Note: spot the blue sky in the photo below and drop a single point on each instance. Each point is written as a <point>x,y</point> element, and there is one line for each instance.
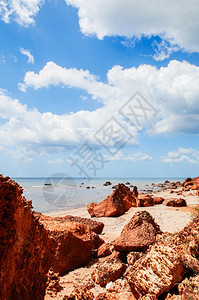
<point>68,67</point>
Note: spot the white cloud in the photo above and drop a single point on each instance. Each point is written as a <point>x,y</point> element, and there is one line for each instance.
<point>163,50</point>
<point>46,133</point>
<point>173,90</point>
<point>28,54</point>
<point>176,21</point>
<point>21,11</point>
<point>55,161</point>
<point>189,155</point>
<point>136,156</point>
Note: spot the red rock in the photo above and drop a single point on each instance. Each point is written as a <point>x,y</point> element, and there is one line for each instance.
<point>138,234</point>
<point>121,289</point>
<point>157,272</point>
<point>187,180</point>
<point>25,250</point>
<point>80,294</point>
<point>144,200</point>
<point>95,226</point>
<point>115,204</point>
<point>175,202</point>
<point>105,250</point>
<point>157,200</point>
<point>133,256</point>
<point>189,288</point>
<point>191,184</point>
<point>197,193</point>
<point>107,271</point>
<point>73,243</point>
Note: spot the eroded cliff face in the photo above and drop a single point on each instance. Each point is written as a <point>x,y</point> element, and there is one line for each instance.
<point>25,248</point>
<point>31,244</point>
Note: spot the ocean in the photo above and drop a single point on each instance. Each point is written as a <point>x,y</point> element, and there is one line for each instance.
<point>64,193</point>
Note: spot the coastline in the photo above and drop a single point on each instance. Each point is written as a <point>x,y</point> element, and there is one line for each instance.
<point>170,219</point>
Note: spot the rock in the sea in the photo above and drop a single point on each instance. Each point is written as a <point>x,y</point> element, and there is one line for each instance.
<point>138,234</point>
<point>73,243</point>
<point>26,251</point>
<point>175,202</point>
<point>107,183</point>
<point>107,271</point>
<point>115,204</point>
<point>158,200</point>
<point>145,200</point>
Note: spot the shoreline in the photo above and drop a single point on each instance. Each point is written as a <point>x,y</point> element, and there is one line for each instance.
<point>170,219</point>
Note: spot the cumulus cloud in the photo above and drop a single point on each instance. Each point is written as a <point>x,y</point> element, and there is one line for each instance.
<point>172,90</point>
<point>21,11</point>
<point>136,156</point>
<point>175,21</point>
<point>189,155</point>
<point>46,133</point>
<point>28,54</point>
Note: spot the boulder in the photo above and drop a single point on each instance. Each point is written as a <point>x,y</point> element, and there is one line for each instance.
<point>105,250</point>
<point>144,200</point>
<point>189,288</point>
<point>158,200</point>
<point>191,184</point>
<point>26,251</point>
<point>73,242</point>
<point>95,226</point>
<point>175,202</point>
<point>107,271</point>
<point>115,204</point>
<point>156,273</point>
<point>138,234</point>
<point>107,183</point>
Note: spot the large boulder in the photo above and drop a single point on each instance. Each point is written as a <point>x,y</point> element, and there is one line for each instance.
<point>115,204</point>
<point>175,202</point>
<point>158,200</point>
<point>73,243</point>
<point>156,273</point>
<point>138,234</point>
<point>192,184</point>
<point>26,251</point>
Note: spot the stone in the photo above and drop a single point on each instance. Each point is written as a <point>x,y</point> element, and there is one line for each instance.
<point>158,200</point>
<point>145,200</point>
<point>26,251</point>
<point>138,234</point>
<point>155,273</point>
<point>105,250</point>
<point>189,288</point>
<point>107,271</point>
<point>115,204</point>
<point>73,243</point>
<point>107,183</point>
<point>95,226</point>
<point>175,202</point>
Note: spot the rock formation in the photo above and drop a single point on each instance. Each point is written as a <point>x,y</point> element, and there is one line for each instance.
<point>115,204</point>
<point>175,202</point>
<point>138,234</point>
<point>26,251</point>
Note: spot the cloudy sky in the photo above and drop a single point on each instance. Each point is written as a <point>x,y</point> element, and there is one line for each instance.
<point>99,88</point>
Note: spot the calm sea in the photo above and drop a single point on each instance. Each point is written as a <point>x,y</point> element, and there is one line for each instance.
<point>62,193</point>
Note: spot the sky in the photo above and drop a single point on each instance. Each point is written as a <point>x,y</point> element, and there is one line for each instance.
<point>99,88</point>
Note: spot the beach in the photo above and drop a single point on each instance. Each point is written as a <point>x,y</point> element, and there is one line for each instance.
<point>170,219</point>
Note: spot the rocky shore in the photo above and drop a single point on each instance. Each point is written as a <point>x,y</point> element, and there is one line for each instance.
<point>135,246</point>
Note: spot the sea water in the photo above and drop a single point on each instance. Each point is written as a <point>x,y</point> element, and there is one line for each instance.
<point>63,193</point>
